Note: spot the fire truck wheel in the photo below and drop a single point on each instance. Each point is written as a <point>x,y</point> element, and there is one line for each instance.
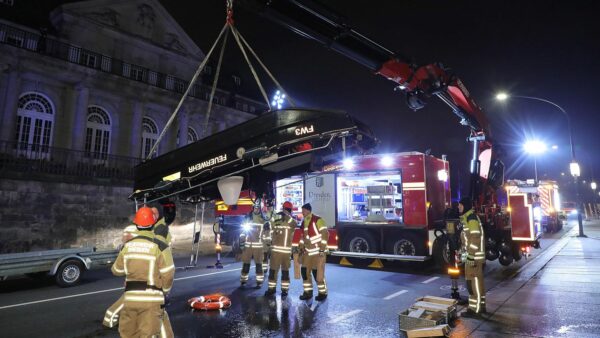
<point>506,260</point>
<point>491,254</point>
<point>441,251</point>
<point>360,241</point>
<point>405,246</point>
<point>516,253</point>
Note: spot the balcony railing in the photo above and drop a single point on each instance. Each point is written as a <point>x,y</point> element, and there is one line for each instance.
<point>26,159</point>
<point>54,48</point>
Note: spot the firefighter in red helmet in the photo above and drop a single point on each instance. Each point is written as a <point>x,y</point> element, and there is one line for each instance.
<point>313,246</point>
<point>147,264</point>
<point>282,232</point>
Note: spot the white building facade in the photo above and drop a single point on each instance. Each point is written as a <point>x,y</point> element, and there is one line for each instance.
<point>104,82</point>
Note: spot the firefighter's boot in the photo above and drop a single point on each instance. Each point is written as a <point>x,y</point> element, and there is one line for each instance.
<point>272,283</point>
<point>322,287</point>
<point>307,284</point>
<point>285,282</point>
<point>260,277</point>
<point>244,276</point>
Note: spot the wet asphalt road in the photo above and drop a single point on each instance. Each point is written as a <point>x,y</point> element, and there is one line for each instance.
<point>362,302</point>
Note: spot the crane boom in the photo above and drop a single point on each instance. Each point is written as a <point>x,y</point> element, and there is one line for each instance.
<point>419,82</point>
<point>314,21</point>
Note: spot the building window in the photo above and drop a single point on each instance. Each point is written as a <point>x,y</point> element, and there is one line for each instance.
<point>97,137</point>
<point>137,73</point>
<point>252,109</point>
<point>7,2</point>
<point>74,53</point>
<point>88,59</point>
<point>207,70</point>
<point>237,80</point>
<point>149,136</point>
<point>192,136</point>
<point>35,119</point>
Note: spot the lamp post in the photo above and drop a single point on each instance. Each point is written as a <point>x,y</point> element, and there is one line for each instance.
<point>573,166</point>
<point>535,148</point>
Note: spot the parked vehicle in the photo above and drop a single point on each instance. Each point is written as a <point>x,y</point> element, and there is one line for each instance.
<point>66,266</point>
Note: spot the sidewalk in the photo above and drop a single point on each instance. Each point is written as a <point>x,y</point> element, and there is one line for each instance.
<point>555,295</point>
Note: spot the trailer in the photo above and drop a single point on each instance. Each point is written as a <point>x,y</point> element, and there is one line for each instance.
<point>66,266</point>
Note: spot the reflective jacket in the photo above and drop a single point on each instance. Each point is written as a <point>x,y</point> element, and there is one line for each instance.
<point>282,232</point>
<point>160,230</point>
<point>473,237</point>
<point>315,235</point>
<point>147,264</point>
<point>253,237</point>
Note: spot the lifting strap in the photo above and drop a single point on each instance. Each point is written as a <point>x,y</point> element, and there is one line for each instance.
<point>241,42</point>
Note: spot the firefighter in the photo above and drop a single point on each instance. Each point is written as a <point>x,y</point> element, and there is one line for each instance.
<point>282,233</point>
<point>111,316</point>
<point>252,246</point>
<point>147,264</point>
<point>473,245</point>
<point>313,247</point>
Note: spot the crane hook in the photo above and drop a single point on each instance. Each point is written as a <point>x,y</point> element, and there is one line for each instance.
<point>229,11</point>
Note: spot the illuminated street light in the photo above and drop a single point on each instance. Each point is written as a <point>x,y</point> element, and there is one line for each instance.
<point>535,147</point>
<point>501,96</point>
<point>278,99</point>
<point>574,166</point>
<point>554,147</point>
<point>593,185</point>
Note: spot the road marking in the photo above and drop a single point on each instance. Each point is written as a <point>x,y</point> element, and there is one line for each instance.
<point>344,316</point>
<point>102,291</point>
<point>430,280</point>
<point>393,295</point>
<point>207,274</point>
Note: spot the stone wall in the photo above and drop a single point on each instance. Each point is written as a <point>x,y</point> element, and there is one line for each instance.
<point>39,215</point>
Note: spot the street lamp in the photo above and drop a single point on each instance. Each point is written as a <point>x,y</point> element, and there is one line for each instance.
<point>574,166</point>
<point>534,148</point>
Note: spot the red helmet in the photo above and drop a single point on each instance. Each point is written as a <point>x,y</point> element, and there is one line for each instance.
<point>288,205</point>
<point>144,217</point>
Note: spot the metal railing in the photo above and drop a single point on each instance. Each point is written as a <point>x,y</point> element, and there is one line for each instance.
<point>25,158</point>
<point>42,44</point>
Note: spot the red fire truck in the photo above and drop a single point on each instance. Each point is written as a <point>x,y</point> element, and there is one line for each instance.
<point>546,197</point>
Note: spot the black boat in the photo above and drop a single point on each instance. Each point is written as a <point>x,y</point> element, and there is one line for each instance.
<point>274,145</point>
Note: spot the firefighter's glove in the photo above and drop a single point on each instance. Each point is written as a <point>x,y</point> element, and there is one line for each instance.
<point>470,262</point>
<point>463,257</point>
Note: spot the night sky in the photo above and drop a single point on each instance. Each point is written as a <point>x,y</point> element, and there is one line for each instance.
<point>548,49</point>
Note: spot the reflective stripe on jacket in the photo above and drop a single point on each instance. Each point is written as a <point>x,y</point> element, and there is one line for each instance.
<point>473,237</point>
<point>315,235</point>
<point>146,259</point>
<point>282,232</point>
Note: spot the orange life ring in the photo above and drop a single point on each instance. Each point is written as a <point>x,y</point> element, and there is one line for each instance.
<point>210,302</point>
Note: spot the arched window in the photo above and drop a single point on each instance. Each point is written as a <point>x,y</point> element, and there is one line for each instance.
<point>35,119</point>
<point>97,137</point>
<point>192,135</point>
<point>149,136</point>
